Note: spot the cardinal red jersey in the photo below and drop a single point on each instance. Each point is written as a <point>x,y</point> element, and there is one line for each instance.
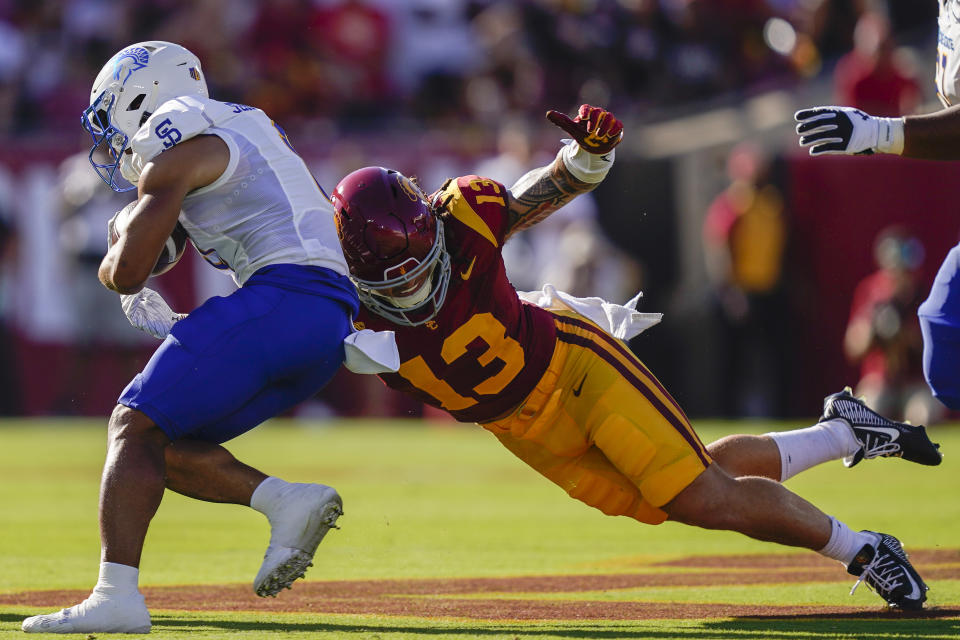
<point>483,353</point>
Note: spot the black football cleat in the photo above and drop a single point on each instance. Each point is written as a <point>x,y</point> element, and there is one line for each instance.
<point>885,568</point>
<point>878,436</point>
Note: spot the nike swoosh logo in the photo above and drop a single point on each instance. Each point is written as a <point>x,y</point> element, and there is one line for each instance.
<point>892,433</point>
<point>915,588</point>
<point>605,157</point>
<point>579,388</point>
<point>466,274</point>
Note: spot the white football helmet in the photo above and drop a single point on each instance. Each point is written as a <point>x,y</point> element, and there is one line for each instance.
<point>128,89</point>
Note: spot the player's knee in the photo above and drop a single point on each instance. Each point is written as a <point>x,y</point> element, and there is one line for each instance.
<point>706,502</point>
<point>129,424</point>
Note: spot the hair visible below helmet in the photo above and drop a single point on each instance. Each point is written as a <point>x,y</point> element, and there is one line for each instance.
<point>128,89</point>
<point>394,245</point>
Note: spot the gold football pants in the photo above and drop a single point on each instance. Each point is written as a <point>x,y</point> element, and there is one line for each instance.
<point>602,427</point>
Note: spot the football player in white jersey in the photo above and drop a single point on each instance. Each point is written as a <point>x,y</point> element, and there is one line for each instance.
<point>934,136</point>
<point>228,175</point>
<point>948,57</point>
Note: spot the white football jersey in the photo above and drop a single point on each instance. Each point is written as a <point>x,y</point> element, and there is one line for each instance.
<point>265,209</point>
<point>948,53</point>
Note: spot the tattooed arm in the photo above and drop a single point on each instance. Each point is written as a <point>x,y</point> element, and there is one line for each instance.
<point>541,192</point>
<point>579,167</point>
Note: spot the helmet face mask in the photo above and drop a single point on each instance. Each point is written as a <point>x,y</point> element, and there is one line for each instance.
<point>128,89</point>
<point>394,245</point>
<point>107,139</point>
<point>397,300</point>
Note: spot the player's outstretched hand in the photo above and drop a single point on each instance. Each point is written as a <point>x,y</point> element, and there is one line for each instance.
<point>596,130</point>
<point>149,312</point>
<point>849,131</point>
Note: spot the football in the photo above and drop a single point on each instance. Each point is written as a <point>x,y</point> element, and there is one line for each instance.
<point>172,250</point>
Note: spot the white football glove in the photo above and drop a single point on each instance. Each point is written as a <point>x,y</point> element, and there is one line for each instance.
<point>844,130</point>
<point>149,312</point>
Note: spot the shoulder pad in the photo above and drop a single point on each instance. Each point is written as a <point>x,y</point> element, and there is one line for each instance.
<point>173,122</point>
<point>479,203</point>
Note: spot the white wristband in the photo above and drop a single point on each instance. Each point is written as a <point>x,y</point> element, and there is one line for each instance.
<point>891,135</point>
<point>585,166</point>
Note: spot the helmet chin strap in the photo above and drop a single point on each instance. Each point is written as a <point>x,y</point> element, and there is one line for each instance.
<point>127,168</point>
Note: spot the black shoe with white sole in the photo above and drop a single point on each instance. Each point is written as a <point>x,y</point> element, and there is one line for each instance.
<point>878,436</point>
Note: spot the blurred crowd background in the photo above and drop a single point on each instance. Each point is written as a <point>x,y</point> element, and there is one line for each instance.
<point>782,278</point>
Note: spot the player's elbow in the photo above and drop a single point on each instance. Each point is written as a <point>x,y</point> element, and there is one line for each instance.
<point>122,280</point>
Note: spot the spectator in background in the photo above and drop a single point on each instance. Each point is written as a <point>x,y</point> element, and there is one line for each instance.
<point>434,52</point>
<point>357,62</point>
<point>873,77</point>
<point>353,38</point>
<point>509,78</point>
<point>882,335</point>
<point>744,236</point>
<point>695,69</point>
<point>831,23</point>
<point>12,55</point>
<point>286,81</point>
<point>640,58</point>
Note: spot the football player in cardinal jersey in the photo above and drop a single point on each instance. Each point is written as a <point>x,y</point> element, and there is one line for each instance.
<point>935,136</point>
<point>551,378</point>
<point>228,174</point>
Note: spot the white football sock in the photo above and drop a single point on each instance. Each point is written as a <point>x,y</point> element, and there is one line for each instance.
<point>266,497</point>
<point>844,543</point>
<point>804,448</point>
<point>117,579</point>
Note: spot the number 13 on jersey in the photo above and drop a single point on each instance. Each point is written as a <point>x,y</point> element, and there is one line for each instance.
<point>482,184</point>
<point>499,346</point>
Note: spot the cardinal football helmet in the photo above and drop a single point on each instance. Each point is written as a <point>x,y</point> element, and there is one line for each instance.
<point>393,242</point>
<point>128,89</point>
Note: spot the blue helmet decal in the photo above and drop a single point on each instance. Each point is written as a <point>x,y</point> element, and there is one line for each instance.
<point>138,57</point>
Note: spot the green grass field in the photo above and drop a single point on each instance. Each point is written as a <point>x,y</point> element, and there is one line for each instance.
<point>440,501</point>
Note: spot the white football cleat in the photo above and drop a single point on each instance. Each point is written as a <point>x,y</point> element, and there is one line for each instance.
<point>99,613</point>
<point>300,521</point>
